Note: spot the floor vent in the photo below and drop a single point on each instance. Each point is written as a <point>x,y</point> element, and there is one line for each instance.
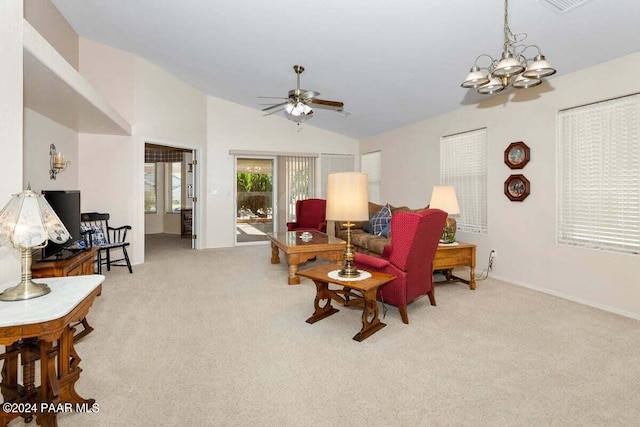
<point>562,6</point>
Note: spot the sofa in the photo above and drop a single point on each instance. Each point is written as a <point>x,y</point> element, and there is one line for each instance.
<point>363,238</point>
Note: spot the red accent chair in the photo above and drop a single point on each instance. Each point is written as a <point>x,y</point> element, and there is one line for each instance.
<point>409,257</point>
<point>310,215</point>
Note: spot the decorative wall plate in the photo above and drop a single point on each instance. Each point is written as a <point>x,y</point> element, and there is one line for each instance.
<point>517,155</point>
<point>516,188</point>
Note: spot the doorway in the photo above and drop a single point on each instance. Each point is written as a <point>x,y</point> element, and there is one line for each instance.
<point>255,199</point>
<point>169,194</point>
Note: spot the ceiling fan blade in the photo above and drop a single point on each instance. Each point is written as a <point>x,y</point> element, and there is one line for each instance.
<point>275,110</point>
<point>329,105</point>
<point>272,97</point>
<point>308,94</point>
<point>282,104</point>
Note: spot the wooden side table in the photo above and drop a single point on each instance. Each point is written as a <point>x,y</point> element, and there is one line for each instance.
<point>40,329</point>
<point>366,287</point>
<point>460,255</point>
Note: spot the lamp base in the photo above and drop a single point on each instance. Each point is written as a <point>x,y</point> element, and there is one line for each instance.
<point>449,231</point>
<point>25,290</point>
<point>348,270</point>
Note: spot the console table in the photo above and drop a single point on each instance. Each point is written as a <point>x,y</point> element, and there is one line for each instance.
<point>40,330</point>
<point>76,265</point>
<point>460,255</point>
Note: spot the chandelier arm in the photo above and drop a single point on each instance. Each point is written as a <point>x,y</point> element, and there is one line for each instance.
<point>491,64</point>
<point>525,47</point>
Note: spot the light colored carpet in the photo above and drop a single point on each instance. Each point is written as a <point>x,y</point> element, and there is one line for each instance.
<point>217,338</point>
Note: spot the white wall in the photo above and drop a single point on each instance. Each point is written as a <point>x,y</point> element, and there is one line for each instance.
<point>169,112</point>
<point>10,122</point>
<point>39,133</point>
<point>523,233</point>
<point>234,127</point>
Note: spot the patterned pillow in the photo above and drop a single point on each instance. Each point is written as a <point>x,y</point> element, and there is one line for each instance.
<point>380,220</point>
<point>386,230</point>
<point>97,238</point>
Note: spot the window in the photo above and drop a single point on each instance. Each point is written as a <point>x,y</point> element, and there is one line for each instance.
<point>174,186</point>
<point>150,196</point>
<point>333,163</point>
<point>370,164</point>
<point>299,174</point>
<point>463,164</point>
<point>598,199</point>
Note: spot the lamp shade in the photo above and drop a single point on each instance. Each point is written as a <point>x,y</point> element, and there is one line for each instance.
<point>444,198</point>
<point>28,221</point>
<point>347,197</point>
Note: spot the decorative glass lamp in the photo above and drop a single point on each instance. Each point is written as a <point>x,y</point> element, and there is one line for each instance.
<point>348,200</point>
<point>444,198</point>
<point>28,221</point>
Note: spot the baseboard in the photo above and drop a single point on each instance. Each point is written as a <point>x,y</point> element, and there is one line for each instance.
<point>569,297</point>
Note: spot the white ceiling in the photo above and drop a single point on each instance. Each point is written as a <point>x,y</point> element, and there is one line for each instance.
<point>392,63</point>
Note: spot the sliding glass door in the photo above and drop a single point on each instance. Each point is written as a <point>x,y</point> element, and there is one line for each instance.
<point>255,198</point>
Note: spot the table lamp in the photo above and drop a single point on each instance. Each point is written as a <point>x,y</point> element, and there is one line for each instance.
<point>444,198</point>
<point>28,221</point>
<point>348,200</point>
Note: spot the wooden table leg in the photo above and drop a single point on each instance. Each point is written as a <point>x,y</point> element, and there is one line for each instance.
<point>275,257</point>
<point>57,384</point>
<point>370,320</point>
<point>293,260</point>
<point>322,303</point>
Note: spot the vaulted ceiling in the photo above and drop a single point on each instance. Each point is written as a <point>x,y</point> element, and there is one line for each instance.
<point>392,63</point>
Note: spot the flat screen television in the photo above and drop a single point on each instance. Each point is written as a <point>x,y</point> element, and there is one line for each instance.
<point>66,204</point>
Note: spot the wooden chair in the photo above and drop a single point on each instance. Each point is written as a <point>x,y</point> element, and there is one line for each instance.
<point>95,227</point>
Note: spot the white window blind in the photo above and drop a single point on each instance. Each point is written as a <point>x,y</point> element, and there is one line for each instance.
<point>299,181</point>
<point>332,163</point>
<point>370,164</point>
<point>598,199</point>
<point>463,164</point>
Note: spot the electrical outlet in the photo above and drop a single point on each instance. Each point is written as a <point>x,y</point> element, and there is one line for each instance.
<point>492,255</point>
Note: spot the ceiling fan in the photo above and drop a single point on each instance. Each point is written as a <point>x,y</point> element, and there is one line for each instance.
<point>298,103</point>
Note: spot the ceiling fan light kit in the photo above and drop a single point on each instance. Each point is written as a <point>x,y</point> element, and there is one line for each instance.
<point>298,103</point>
<point>513,68</point>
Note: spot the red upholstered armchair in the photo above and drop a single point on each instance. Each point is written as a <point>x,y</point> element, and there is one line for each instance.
<point>409,257</point>
<point>310,215</point>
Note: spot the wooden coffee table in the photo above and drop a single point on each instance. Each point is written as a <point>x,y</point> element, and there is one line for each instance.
<point>299,251</point>
<point>367,288</point>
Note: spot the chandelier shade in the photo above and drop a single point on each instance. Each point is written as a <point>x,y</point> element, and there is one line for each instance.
<point>493,86</point>
<point>508,66</point>
<point>539,68</point>
<point>513,68</point>
<point>475,78</point>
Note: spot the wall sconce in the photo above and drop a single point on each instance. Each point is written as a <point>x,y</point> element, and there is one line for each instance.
<point>57,163</point>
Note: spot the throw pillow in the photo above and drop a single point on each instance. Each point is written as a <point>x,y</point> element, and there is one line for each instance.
<point>97,238</point>
<point>385,231</point>
<point>380,220</point>
<point>367,228</point>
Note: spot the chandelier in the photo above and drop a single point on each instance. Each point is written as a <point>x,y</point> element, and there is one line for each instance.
<point>513,68</point>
